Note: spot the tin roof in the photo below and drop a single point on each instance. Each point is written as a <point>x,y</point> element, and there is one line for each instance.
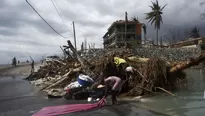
<point>122,22</point>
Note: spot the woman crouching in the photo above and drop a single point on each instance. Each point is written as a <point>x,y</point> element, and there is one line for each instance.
<point>113,84</point>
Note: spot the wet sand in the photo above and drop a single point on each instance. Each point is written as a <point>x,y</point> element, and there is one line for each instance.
<point>19,98</point>
<point>19,70</point>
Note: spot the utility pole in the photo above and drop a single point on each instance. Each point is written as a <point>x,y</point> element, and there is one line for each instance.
<point>74,35</point>
<point>85,42</point>
<point>126,21</point>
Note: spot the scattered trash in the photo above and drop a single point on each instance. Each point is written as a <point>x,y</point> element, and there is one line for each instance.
<point>73,76</point>
<point>85,80</point>
<point>89,99</point>
<point>72,85</point>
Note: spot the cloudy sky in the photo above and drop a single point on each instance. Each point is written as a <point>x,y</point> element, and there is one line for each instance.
<point>22,31</point>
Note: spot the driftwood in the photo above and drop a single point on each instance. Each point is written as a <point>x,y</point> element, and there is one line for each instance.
<point>58,81</point>
<point>159,75</point>
<point>155,74</point>
<point>165,91</point>
<point>59,62</point>
<point>190,63</point>
<point>82,62</point>
<point>181,66</point>
<point>64,77</point>
<point>141,74</point>
<point>146,89</point>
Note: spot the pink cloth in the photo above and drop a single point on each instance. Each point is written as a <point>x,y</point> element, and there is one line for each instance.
<point>65,109</point>
<point>114,82</point>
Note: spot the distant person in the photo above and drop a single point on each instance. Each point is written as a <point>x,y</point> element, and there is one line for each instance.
<point>18,62</point>
<point>32,66</point>
<point>14,61</point>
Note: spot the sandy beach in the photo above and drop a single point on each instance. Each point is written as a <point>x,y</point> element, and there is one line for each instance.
<point>19,70</point>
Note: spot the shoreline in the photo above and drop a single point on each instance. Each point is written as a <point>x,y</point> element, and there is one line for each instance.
<point>19,70</point>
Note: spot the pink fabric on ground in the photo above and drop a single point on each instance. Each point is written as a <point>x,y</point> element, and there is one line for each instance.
<point>65,109</point>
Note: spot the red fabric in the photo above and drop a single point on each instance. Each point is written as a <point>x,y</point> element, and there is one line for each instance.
<point>67,90</point>
<point>65,109</point>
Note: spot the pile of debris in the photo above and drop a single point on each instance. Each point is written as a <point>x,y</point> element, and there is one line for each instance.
<point>152,74</point>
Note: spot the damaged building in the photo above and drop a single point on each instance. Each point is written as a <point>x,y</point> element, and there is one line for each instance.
<point>123,33</point>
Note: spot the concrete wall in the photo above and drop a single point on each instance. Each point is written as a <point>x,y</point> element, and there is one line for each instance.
<point>169,54</point>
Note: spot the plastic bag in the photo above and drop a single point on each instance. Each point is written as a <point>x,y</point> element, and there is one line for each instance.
<point>73,85</point>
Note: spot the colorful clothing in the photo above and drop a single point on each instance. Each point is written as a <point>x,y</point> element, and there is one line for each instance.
<point>119,61</point>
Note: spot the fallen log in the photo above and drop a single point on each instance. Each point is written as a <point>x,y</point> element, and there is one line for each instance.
<point>177,67</point>
<point>59,81</point>
<point>190,63</point>
<point>64,77</point>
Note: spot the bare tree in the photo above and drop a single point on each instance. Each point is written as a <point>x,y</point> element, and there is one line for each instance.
<point>173,35</point>
<point>194,32</point>
<point>176,34</point>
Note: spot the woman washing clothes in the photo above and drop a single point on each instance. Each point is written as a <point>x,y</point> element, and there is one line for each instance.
<point>113,84</point>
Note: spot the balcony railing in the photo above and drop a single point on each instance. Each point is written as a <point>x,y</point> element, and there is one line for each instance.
<point>119,31</point>
<point>123,30</point>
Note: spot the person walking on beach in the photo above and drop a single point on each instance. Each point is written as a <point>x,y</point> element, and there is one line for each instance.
<point>32,65</point>
<point>14,61</point>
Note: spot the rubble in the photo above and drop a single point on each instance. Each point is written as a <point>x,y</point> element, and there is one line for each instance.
<point>152,74</point>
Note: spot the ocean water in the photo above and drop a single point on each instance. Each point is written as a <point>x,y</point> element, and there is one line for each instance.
<point>188,102</point>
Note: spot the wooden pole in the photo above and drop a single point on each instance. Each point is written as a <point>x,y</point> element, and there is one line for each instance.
<point>126,21</point>
<point>74,35</point>
<point>83,62</point>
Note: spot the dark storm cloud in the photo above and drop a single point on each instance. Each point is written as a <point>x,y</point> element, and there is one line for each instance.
<point>18,15</point>
<point>24,42</point>
<point>12,15</point>
<point>20,25</point>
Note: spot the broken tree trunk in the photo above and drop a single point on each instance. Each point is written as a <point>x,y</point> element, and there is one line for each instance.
<point>190,63</point>
<point>58,81</point>
<point>82,62</point>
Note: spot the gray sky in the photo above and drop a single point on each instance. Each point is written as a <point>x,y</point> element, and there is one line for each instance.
<point>22,31</point>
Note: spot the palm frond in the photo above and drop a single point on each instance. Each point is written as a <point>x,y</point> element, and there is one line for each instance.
<point>153,20</point>
<point>161,20</point>
<point>151,7</point>
<point>135,19</point>
<point>157,3</point>
<point>155,15</point>
<point>163,7</point>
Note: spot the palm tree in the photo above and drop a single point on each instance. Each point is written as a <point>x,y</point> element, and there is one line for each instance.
<point>194,32</point>
<point>155,16</point>
<point>135,19</point>
<point>144,27</point>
